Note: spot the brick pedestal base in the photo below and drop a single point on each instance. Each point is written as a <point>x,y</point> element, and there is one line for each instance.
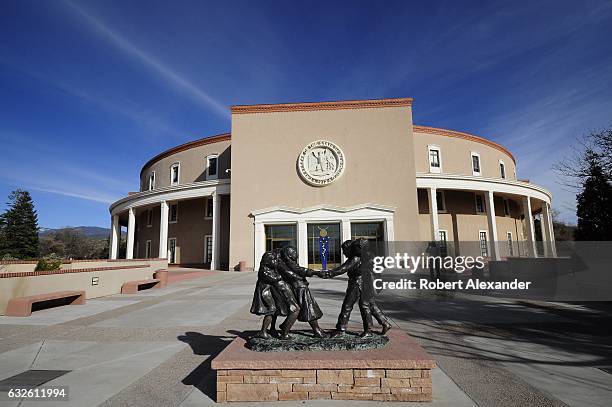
<point>343,384</point>
<point>399,372</point>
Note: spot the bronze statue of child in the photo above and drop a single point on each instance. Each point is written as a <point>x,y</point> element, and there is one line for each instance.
<point>273,297</point>
<point>360,288</point>
<point>296,275</point>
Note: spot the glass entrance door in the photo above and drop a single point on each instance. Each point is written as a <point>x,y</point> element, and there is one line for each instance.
<point>374,232</point>
<point>172,250</point>
<point>279,236</point>
<point>324,236</point>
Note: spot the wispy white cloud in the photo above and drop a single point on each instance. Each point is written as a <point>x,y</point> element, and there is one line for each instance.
<point>152,122</point>
<point>179,82</point>
<point>86,195</point>
<point>541,131</point>
<point>30,165</point>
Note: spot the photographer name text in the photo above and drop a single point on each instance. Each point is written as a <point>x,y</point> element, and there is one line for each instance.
<point>470,284</point>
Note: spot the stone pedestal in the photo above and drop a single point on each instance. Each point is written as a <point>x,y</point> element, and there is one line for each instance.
<point>401,371</point>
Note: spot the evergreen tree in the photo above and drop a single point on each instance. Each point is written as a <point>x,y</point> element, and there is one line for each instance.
<point>594,209</point>
<point>19,226</point>
<point>2,238</point>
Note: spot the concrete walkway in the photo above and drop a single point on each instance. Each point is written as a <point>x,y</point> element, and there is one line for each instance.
<point>155,347</point>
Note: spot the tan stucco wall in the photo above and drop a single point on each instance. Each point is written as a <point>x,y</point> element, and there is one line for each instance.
<point>379,166</point>
<point>456,156</point>
<point>192,165</point>
<point>110,281</point>
<point>189,231</point>
<point>462,223</point>
<point>144,232</point>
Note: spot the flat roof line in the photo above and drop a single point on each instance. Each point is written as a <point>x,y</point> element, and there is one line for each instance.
<point>326,105</point>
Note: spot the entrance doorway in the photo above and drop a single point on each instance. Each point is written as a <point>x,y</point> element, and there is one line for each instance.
<point>279,236</point>
<point>374,232</point>
<point>172,250</point>
<point>208,243</point>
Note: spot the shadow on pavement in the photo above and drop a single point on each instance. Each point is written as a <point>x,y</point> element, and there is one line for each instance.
<point>575,338</point>
<point>203,377</point>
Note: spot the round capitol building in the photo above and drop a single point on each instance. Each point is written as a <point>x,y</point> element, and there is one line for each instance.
<point>288,174</point>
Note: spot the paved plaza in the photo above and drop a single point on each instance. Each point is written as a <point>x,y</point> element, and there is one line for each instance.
<point>154,348</point>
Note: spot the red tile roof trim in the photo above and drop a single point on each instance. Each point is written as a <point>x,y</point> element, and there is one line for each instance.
<point>462,135</point>
<point>191,144</point>
<point>314,106</point>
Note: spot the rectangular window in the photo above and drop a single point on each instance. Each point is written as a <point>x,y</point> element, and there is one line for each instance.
<point>434,159</point>
<point>506,207</point>
<point>208,209</point>
<point>172,250</point>
<point>484,249</point>
<point>173,218</point>
<point>212,169</point>
<point>152,181</point>
<point>475,164</point>
<point>510,247</point>
<point>174,174</point>
<point>148,249</point>
<point>279,236</point>
<point>502,170</point>
<point>441,201</point>
<point>480,206</point>
<point>208,243</point>
<point>149,217</point>
<point>443,243</point>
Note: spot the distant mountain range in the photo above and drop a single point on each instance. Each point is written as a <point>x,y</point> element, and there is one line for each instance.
<point>88,231</point>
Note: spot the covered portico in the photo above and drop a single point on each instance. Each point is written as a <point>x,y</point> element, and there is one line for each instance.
<point>128,211</point>
<point>532,200</point>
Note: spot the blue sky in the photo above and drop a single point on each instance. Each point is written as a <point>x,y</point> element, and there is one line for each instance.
<point>90,90</point>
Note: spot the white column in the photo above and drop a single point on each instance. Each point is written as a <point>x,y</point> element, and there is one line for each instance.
<point>130,236</point>
<point>531,242</point>
<point>163,230</point>
<point>302,237</point>
<point>345,233</point>
<point>492,227</point>
<point>389,237</point>
<point>545,231</point>
<point>553,245</point>
<point>215,230</point>
<point>114,238</point>
<point>260,243</point>
<point>548,231</point>
<point>433,210</point>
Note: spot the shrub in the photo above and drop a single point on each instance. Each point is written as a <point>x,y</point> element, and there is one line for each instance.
<point>48,264</point>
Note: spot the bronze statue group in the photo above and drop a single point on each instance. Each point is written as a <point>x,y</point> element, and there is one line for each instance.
<point>282,290</point>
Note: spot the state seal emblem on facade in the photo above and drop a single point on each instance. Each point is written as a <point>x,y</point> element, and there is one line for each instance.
<point>321,162</point>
